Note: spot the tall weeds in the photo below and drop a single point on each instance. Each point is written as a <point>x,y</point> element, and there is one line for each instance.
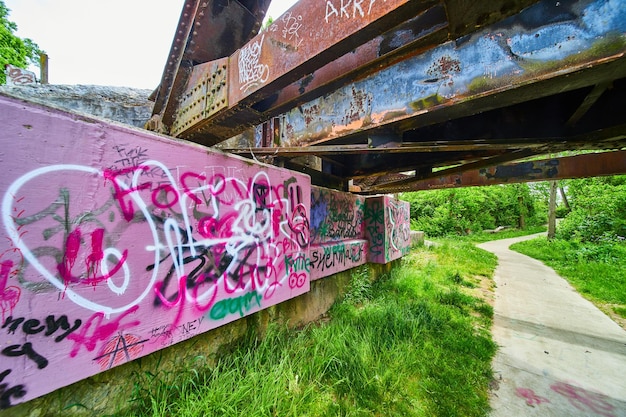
<point>411,343</point>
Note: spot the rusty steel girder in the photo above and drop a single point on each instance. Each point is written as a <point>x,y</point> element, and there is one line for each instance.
<point>498,66</point>
<point>305,38</point>
<point>207,30</point>
<point>415,87</point>
<point>580,166</point>
<point>321,45</point>
<point>206,94</point>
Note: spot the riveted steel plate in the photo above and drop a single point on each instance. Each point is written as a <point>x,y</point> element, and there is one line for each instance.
<point>206,94</point>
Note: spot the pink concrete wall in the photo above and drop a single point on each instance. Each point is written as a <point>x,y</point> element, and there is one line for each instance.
<point>116,243</point>
<point>336,216</point>
<point>331,258</point>
<point>387,228</point>
<point>337,232</point>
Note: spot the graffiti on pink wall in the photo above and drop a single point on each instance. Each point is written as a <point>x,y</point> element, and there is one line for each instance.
<point>337,232</point>
<point>116,243</point>
<point>336,216</point>
<point>387,228</point>
<point>331,258</point>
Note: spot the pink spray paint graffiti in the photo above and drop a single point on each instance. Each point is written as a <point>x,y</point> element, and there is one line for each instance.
<point>585,400</point>
<point>103,262</point>
<point>9,296</point>
<point>591,403</point>
<point>531,398</point>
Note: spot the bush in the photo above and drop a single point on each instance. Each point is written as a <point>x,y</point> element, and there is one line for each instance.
<point>598,210</point>
<point>469,210</point>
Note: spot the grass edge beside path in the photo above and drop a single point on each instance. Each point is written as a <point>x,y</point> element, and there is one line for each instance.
<point>596,271</point>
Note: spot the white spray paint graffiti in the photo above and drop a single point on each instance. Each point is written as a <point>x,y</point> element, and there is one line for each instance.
<point>251,72</point>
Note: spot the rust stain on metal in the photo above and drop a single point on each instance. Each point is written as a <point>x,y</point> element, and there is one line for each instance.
<point>444,67</point>
<point>309,36</point>
<point>360,107</point>
<point>310,114</point>
<point>580,166</point>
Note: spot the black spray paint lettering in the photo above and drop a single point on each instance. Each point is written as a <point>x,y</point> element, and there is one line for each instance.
<point>190,326</point>
<point>6,393</point>
<point>27,350</point>
<point>34,326</point>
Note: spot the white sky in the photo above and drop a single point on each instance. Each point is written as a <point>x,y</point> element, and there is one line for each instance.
<point>113,42</point>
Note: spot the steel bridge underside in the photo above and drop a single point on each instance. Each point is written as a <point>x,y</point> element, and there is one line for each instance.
<point>404,95</point>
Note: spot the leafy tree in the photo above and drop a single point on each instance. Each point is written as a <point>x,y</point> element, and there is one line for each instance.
<point>13,49</point>
<point>598,210</point>
<point>466,210</point>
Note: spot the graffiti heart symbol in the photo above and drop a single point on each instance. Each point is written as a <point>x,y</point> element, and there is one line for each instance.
<point>31,259</point>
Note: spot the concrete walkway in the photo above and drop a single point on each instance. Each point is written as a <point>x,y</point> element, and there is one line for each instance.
<point>558,354</point>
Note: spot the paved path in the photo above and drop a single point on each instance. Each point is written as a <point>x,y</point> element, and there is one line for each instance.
<point>559,355</point>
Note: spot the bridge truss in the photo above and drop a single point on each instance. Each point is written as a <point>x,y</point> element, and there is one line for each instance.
<point>384,96</point>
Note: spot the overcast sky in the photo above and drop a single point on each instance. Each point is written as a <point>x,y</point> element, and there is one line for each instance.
<point>113,42</point>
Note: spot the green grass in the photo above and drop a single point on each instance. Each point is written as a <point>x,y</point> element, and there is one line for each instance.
<point>480,237</point>
<point>415,342</point>
<point>597,271</point>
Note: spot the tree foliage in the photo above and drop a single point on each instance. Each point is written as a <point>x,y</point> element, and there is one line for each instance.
<point>598,210</point>
<point>467,210</point>
<point>14,50</point>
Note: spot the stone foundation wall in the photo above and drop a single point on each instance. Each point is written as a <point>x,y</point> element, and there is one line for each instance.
<point>125,105</point>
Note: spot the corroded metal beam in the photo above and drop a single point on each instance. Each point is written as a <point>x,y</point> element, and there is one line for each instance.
<point>370,103</point>
<point>425,30</point>
<point>520,59</point>
<point>553,144</point>
<point>448,20</point>
<point>175,57</point>
<point>308,36</point>
<point>355,162</point>
<point>581,166</point>
<point>266,93</point>
<point>601,140</point>
<point>207,30</point>
<point>305,38</point>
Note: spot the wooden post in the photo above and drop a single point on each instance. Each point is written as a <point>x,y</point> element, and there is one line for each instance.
<point>552,211</point>
<point>564,198</point>
<point>43,68</point>
<point>522,209</point>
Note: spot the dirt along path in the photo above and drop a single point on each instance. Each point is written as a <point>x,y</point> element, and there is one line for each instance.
<point>558,354</point>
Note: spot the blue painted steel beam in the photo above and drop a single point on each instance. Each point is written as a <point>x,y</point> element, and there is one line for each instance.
<point>546,49</point>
